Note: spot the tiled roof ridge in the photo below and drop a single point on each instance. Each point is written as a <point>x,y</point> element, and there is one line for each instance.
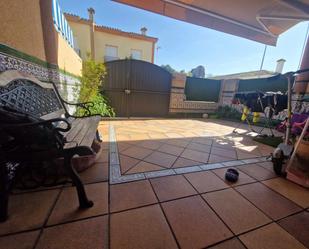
<point>110,28</point>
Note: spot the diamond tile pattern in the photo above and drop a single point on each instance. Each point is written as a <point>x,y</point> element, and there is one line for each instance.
<point>195,208</point>
<point>180,143</point>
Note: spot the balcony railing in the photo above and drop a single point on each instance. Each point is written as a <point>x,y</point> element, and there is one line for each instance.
<point>61,24</point>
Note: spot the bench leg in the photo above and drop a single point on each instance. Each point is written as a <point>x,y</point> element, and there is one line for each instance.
<point>98,136</point>
<point>82,197</point>
<point>4,193</point>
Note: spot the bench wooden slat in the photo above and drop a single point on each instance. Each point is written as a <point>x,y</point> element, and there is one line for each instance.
<point>82,132</point>
<point>76,126</point>
<point>89,136</point>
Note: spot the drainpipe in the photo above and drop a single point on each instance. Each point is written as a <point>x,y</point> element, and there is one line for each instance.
<point>91,13</point>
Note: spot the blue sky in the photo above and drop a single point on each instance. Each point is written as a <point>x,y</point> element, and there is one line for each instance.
<point>185,46</point>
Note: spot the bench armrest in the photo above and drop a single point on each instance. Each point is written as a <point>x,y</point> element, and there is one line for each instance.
<point>84,105</point>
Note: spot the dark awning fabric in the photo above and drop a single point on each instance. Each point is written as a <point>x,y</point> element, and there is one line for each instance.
<point>258,20</point>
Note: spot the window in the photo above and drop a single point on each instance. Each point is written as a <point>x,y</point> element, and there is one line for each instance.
<point>136,54</point>
<point>111,53</point>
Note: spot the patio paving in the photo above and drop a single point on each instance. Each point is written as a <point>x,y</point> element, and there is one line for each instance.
<point>192,208</point>
<point>158,144</point>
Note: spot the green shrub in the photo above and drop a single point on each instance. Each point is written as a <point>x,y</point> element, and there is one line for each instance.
<point>93,75</point>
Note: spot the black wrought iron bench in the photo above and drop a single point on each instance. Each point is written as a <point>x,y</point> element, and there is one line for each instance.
<point>27,95</point>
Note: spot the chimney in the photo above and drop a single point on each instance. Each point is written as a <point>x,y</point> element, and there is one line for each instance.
<point>91,13</point>
<point>144,31</point>
<point>280,64</point>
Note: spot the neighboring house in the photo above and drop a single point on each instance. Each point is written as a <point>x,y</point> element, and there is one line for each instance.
<point>245,75</point>
<point>232,83</point>
<point>252,74</point>
<point>105,44</point>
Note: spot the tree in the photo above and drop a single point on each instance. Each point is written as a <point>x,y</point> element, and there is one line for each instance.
<point>198,72</point>
<point>168,68</point>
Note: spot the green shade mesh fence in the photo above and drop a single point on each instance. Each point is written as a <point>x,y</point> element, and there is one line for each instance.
<point>202,89</point>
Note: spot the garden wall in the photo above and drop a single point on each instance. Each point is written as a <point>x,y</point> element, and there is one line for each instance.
<point>30,42</point>
<point>179,102</point>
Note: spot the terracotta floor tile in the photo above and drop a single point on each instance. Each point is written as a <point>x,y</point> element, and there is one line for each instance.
<point>266,165</point>
<point>271,203</point>
<point>181,142</point>
<point>205,181</point>
<point>171,149</point>
<point>172,187</point>
<point>244,155</point>
<point>242,178</point>
<point>195,155</point>
<point>138,137</point>
<point>28,211</point>
<point>131,195</point>
<point>251,149</point>
<point>104,145</point>
<point>155,135</point>
<point>271,236</point>
<point>257,172</point>
<point>96,173</point>
<point>67,206</point>
<point>19,241</point>
<point>122,137</point>
<point>173,135</point>
<point>122,146</point>
<point>127,163</point>
<point>199,147</point>
<point>188,134</point>
<point>150,144</point>
<point>90,233</point>
<point>140,228</point>
<point>298,226</point>
<point>265,149</point>
<point>194,223</point>
<point>217,159</point>
<point>227,145</point>
<point>229,244</point>
<point>183,162</point>
<point>222,152</point>
<point>144,167</point>
<point>161,159</point>
<point>202,140</point>
<point>102,157</point>
<point>290,190</point>
<point>238,213</point>
<point>137,152</point>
